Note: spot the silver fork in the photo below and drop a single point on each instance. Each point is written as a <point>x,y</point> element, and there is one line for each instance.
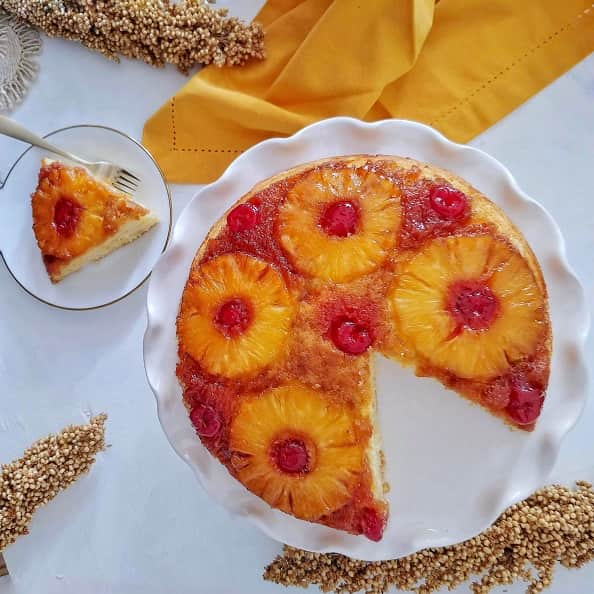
<point>117,176</point>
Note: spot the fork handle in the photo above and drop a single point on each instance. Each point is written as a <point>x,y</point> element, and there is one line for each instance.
<point>10,128</point>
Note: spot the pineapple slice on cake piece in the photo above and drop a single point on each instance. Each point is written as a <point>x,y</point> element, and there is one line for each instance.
<point>338,224</point>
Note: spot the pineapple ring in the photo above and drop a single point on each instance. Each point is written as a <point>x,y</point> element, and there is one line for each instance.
<point>418,303</point>
<point>340,258</point>
<point>295,410</point>
<point>222,280</point>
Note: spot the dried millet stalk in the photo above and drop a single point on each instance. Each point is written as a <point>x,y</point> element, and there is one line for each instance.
<point>555,525</point>
<point>46,468</point>
<point>154,31</point>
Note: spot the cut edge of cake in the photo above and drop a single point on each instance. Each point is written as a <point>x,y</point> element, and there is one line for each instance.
<point>374,452</point>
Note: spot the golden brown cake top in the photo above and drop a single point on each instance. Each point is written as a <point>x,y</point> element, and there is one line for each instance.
<point>316,268</point>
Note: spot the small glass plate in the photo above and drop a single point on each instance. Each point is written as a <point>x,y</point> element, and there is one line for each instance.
<point>117,275</point>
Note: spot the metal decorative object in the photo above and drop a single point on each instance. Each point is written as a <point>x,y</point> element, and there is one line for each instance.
<point>19,44</point>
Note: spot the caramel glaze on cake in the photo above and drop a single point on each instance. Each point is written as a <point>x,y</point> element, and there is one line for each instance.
<point>337,319</point>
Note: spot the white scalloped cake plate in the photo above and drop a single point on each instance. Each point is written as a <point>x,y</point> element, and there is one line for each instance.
<point>452,467</point>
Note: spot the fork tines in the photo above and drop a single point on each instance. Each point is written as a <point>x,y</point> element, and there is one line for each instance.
<point>126,181</point>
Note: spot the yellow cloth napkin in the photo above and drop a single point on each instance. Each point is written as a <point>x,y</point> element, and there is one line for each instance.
<point>459,65</point>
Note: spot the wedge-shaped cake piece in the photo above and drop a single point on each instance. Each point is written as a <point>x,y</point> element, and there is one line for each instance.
<point>79,218</point>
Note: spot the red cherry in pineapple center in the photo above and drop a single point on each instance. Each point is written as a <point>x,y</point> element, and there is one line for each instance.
<point>472,304</point>
<point>349,336</point>
<point>243,217</point>
<point>340,219</point>
<point>448,202</point>
<point>206,420</point>
<point>66,216</point>
<point>290,456</point>
<point>233,317</point>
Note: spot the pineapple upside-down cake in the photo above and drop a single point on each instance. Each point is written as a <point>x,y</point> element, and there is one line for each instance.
<point>310,273</point>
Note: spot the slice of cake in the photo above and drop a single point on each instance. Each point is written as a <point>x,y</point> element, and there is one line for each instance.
<point>79,218</point>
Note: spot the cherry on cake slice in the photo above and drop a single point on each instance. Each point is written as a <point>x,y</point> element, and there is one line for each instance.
<point>79,218</point>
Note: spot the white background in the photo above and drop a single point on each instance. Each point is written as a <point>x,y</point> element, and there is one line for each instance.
<point>140,523</point>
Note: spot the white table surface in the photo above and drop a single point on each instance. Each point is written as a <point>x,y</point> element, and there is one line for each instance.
<point>140,523</point>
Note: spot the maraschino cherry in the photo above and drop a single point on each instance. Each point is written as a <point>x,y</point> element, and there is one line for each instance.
<point>233,317</point>
<point>243,217</point>
<point>66,216</point>
<point>290,455</point>
<point>525,402</point>
<point>206,420</point>
<point>472,304</point>
<point>340,219</point>
<point>372,524</point>
<point>349,336</point>
<point>448,202</point>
